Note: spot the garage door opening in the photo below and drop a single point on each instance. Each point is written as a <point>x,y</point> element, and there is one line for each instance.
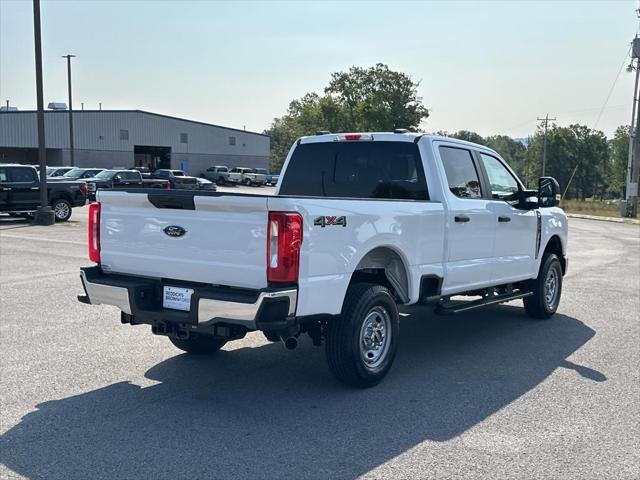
<point>152,157</point>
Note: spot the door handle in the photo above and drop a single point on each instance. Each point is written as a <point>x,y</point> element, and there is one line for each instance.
<point>504,219</point>
<point>462,219</point>
<point>35,188</point>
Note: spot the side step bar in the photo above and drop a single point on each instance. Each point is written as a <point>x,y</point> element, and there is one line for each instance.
<point>462,306</point>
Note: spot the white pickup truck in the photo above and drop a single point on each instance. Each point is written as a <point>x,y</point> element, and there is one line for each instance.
<point>360,224</point>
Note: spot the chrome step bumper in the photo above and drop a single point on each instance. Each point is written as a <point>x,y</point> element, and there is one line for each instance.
<point>208,305</point>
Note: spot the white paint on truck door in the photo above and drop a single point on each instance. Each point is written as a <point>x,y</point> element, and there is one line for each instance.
<point>470,222</point>
<point>514,246</point>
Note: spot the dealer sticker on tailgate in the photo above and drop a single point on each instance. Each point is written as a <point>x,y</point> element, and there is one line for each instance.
<point>177,298</point>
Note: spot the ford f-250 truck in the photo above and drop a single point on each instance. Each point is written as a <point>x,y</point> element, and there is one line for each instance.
<point>360,224</point>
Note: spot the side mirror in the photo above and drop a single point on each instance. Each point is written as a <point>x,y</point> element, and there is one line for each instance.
<point>548,192</point>
<point>117,179</point>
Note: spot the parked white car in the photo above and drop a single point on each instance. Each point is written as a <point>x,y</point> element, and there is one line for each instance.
<point>246,176</point>
<point>360,224</point>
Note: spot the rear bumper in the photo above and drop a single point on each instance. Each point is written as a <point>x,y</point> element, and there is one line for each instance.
<point>142,297</point>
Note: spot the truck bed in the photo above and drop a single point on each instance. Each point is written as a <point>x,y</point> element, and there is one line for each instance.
<point>225,237</point>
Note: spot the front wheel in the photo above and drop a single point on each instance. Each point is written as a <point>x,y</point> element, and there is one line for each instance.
<point>361,344</point>
<point>247,182</point>
<point>61,209</point>
<point>198,344</point>
<point>547,289</point>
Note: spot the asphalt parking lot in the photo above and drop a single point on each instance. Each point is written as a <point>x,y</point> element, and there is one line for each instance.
<point>488,394</point>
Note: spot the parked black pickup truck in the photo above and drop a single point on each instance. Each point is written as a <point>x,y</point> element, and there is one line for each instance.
<point>121,179</point>
<point>177,178</point>
<point>20,193</point>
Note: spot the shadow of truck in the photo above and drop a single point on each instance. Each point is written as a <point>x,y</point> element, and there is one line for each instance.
<point>266,413</point>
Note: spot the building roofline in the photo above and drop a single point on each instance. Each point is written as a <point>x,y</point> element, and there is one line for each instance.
<point>138,111</point>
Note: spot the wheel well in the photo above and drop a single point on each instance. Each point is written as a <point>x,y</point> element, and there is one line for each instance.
<point>60,196</point>
<point>554,245</point>
<point>384,266</point>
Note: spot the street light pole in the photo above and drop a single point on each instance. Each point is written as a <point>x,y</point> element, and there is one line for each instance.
<point>71,149</point>
<point>44,215</point>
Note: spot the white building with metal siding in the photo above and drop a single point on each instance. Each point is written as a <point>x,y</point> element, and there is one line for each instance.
<point>124,138</point>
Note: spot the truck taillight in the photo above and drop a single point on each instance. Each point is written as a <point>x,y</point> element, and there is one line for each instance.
<point>168,185</point>
<point>94,232</point>
<point>84,189</point>
<point>283,247</point>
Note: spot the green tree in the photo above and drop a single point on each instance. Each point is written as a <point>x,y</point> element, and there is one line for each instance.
<point>513,151</point>
<point>468,136</point>
<point>576,147</point>
<point>618,158</point>
<point>362,99</point>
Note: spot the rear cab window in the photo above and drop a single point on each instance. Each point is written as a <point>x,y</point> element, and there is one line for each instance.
<point>359,169</point>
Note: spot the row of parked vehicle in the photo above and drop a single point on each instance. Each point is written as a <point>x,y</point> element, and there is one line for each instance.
<point>70,187</point>
<point>240,176</point>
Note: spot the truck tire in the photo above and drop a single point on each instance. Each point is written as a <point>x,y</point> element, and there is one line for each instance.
<point>247,182</point>
<point>361,343</point>
<point>547,288</point>
<point>198,344</point>
<point>61,209</point>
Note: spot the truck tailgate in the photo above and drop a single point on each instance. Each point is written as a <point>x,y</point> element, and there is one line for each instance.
<point>221,241</point>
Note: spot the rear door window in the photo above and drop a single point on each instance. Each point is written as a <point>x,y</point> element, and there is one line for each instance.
<point>130,176</point>
<point>385,170</point>
<point>462,176</point>
<point>22,175</point>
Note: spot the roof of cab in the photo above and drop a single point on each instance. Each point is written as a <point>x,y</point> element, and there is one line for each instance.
<point>389,137</point>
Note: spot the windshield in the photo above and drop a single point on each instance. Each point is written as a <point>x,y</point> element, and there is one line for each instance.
<point>74,172</point>
<point>106,174</point>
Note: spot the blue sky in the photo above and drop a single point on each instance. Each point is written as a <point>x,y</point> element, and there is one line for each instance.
<point>491,67</point>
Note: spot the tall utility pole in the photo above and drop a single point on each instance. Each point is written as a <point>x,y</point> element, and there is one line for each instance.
<point>545,123</point>
<point>633,162</point>
<point>44,215</point>
<point>71,150</point>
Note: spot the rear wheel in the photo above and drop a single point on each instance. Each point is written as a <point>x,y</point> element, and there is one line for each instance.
<point>61,209</point>
<point>361,344</point>
<point>547,289</point>
<point>247,182</point>
<point>198,344</point>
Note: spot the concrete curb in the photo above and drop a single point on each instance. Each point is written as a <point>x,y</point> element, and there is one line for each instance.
<point>631,221</point>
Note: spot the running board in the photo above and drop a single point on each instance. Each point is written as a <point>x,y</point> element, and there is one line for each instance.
<point>483,302</point>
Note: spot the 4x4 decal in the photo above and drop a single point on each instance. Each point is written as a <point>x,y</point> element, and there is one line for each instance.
<point>330,220</point>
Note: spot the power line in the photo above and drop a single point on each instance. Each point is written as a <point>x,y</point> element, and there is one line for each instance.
<point>613,85</point>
